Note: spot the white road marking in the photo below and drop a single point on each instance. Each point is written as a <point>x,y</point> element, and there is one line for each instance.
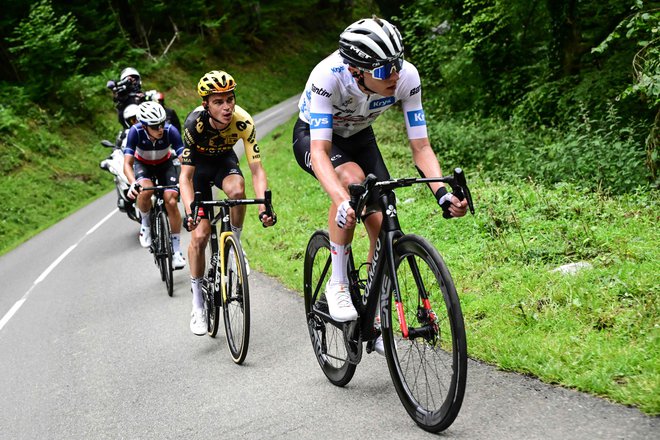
<point>5,319</point>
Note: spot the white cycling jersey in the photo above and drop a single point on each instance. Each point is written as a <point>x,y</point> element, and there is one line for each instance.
<point>333,103</point>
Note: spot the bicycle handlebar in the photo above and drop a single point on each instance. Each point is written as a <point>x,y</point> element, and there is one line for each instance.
<point>359,192</point>
<point>267,200</point>
<point>159,188</point>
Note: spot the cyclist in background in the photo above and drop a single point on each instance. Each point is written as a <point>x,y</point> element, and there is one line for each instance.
<point>333,139</point>
<point>126,91</point>
<point>209,135</point>
<point>148,157</point>
<point>159,97</point>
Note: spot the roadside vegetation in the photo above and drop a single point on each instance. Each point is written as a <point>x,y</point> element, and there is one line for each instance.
<point>556,127</point>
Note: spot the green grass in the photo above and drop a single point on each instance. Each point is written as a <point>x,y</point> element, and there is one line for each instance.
<point>597,331</point>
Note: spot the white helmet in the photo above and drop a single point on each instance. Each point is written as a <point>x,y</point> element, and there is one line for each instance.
<point>131,111</point>
<point>129,71</point>
<point>151,113</point>
<point>371,43</point>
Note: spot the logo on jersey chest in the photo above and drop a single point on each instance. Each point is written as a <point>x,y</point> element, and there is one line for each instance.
<point>379,103</point>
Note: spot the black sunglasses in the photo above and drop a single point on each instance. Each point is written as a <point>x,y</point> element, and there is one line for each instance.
<point>157,126</point>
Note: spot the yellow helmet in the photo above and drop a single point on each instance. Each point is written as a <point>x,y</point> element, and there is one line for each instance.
<point>215,81</point>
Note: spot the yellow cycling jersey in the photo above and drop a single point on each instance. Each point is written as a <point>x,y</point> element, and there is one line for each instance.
<point>201,140</point>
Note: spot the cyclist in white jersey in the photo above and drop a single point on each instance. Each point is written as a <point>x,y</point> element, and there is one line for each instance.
<point>333,139</point>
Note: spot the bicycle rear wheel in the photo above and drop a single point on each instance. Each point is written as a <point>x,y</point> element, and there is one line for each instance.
<point>424,335</point>
<point>327,338</point>
<point>165,254</point>
<point>236,301</point>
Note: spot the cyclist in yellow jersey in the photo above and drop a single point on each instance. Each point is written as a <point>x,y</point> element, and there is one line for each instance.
<point>209,135</point>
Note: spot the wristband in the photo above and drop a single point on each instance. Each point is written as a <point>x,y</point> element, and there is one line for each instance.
<point>440,193</point>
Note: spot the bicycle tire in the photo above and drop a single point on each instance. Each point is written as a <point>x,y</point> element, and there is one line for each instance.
<point>429,370</point>
<point>327,339</point>
<point>166,252</point>
<point>236,302</point>
<point>155,246</point>
<point>212,296</point>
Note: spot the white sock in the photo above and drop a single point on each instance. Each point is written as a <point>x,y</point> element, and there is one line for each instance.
<point>176,242</point>
<point>146,220</point>
<point>197,297</point>
<point>339,254</point>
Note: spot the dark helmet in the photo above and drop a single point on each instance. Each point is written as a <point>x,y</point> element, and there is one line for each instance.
<point>370,42</point>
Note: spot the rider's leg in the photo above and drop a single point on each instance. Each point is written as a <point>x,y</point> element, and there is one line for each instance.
<point>172,207</point>
<point>198,241</point>
<point>234,186</point>
<point>340,239</point>
<point>372,224</point>
<point>144,202</point>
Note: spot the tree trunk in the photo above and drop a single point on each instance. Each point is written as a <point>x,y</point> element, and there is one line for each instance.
<point>567,45</point>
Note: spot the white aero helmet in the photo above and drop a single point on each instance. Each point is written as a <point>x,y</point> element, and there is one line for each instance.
<point>151,113</point>
<point>131,111</point>
<point>129,71</point>
<point>370,43</point>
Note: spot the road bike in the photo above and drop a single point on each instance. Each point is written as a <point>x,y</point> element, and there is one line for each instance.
<point>161,236</point>
<point>226,282</point>
<point>409,287</point>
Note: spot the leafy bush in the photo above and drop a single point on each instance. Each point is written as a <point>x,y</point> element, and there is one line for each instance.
<point>46,48</point>
<point>604,154</point>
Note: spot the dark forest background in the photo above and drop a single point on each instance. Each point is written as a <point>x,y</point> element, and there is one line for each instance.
<point>521,71</point>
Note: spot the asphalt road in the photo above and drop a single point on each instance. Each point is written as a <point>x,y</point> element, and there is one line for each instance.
<point>91,347</point>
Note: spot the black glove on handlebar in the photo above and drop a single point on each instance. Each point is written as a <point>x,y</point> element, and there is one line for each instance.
<point>444,200</point>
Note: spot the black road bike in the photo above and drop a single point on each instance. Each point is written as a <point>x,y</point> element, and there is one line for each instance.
<point>409,287</point>
<point>226,282</point>
<point>161,236</point>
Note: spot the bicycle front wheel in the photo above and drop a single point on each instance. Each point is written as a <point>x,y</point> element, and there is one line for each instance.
<point>236,300</point>
<point>328,340</point>
<point>165,256</point>
<point>212,295</point>
<point>424,335</point>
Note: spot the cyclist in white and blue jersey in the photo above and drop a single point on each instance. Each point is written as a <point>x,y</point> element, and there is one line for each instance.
<point>148,158</point>
<point>333,139</point>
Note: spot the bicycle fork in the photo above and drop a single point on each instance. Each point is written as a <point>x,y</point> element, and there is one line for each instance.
<point>425,314</point>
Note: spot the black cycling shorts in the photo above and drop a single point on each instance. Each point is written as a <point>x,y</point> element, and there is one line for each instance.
<point>212,171</point>
<point>360,148</point>
<point>161,174</point>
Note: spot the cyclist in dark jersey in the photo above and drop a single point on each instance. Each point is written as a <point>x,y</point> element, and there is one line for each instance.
<point>148,158</point>
<point>209,135</point>
<point>334,142</point>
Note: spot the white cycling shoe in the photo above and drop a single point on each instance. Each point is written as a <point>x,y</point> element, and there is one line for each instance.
<point>339,301</point>
<point>378,346</point>
<point>198,323</point>
<point>145,236</point>
<point>178,262</point>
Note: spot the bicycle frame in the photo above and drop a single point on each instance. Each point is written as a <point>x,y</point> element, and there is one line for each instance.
<point>383,261</point>
<point>217,250</point>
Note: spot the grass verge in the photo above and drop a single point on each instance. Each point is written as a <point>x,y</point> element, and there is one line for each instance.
<point>596,331</point>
